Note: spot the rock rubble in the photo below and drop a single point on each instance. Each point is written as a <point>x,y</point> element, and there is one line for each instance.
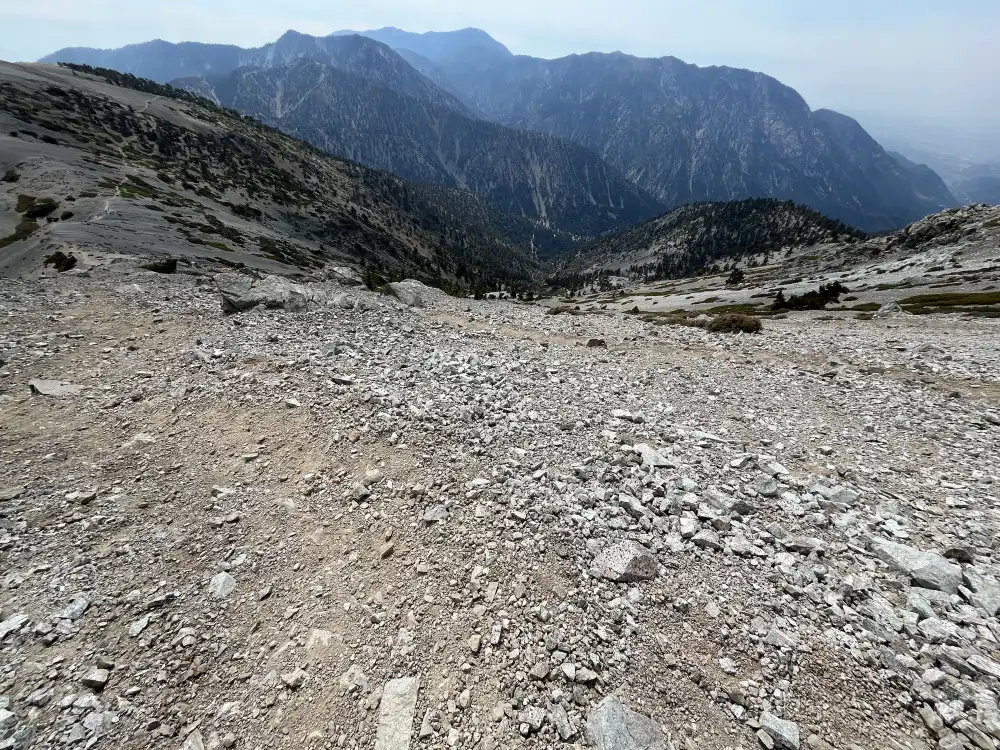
<point>363,524</point>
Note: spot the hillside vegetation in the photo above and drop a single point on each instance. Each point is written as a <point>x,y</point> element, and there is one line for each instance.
<point>705,236</point>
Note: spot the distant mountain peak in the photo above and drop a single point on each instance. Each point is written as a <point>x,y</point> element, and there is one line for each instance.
<point>438,46</point>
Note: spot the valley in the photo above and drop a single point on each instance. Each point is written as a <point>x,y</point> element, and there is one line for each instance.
<point>397,392</point>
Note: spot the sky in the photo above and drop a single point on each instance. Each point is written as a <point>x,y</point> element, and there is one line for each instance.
<point>923,70</point>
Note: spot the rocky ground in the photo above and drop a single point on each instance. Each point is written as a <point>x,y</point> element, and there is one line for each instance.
<point>360,523</point>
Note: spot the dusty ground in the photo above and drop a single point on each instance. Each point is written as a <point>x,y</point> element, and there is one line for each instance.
<point>299,452</point>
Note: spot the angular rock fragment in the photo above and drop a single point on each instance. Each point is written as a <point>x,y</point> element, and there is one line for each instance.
<point>54,388</point>
<point>985,590</point>
<point>927,569</point>
<point>652,457</point>
<point>13,624</point>
<point>613,726</point>
<point>396,712</point>
<point>785,734</point>
<point>435,514</point>
<point>295,679</point>
<point>626,562</point>
<point>221,586</point>
<point>96,679</point>
<point>11,493</point>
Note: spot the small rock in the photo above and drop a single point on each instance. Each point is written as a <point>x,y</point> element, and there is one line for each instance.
<point>626,562</point>
<point>96,679</point>
<point>295,679</point>
<point>221,586</point>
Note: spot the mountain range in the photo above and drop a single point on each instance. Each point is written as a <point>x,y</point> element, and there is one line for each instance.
<point>547,179</point>
<point>676,132</point>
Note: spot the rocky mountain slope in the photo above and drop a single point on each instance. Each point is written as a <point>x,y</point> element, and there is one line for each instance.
<point>89,166</point>
<point>547,179</point>
<point>693,238</point>
<point>947,263</point>
<point>687,134</point>
<point>458,526</point>
<point>979,183</point>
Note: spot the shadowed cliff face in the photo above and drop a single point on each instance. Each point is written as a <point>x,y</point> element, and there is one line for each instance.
<point>686,133</point>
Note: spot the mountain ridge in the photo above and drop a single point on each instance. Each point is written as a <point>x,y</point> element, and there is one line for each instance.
<point>151,169</point>
<point>535,175</point>
<point>692,238</point>
<point>195,59</point>
<point>687,133</point>
<point>680,132</point>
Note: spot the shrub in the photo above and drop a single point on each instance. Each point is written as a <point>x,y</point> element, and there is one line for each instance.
<point>11,175</point>
<point>23,230</point>
<point>735,323</point>
<point>61,261</point>
<point>816,299</point>
<point>735,277</point>
<point>41,207</point>
<point>166,265</point>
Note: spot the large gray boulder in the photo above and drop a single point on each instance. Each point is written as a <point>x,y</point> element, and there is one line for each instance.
<point>346,276</point>
<point>413,293</point>
<point>928,570</point>
<point>613,726</point>
<point>241,292</point>
<point>890,310</point>
<point>784,734</point>
<point>626,562</point>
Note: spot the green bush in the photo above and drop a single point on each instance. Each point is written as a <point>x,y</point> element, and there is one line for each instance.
<point>816,299</point>
<point>23,230</point>
<point>41,207</point>
<point>735,323</point>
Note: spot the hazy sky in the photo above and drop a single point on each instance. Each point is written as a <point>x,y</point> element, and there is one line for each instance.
<point>933,65</point>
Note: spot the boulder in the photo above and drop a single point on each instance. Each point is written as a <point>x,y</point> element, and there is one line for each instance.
<point>626,562</point>
<point>413,293</point>
<point>613,726</point>
<point>784,734</point>
<point>54,388</point>
<point>346,276</point>
<point>928,570</point>
<point>889,310</point>
<point>242,292</point>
